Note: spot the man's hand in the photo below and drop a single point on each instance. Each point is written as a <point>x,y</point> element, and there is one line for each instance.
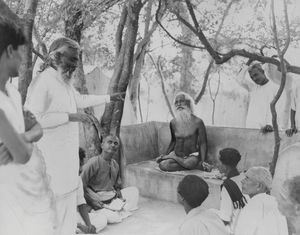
<point>290,132</point>
<point>91,229</point>
<point>119,194</point>
<point>207,167</point>
<point>266,129</point>
<point>79,117</point>
<point>87,229</point>
<point>119,96</point>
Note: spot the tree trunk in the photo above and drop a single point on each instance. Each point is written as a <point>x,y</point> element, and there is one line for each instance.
<point>73,29</point>
<point>186,77</point>
<point>25,72</point>
<point>112,116</point>
<point>139,56</point>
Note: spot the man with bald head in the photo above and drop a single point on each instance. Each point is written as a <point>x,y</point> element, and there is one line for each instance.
<point>188,146</point>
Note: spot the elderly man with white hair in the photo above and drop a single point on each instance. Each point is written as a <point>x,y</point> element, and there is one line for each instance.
<point>188,146</point>
<point>260,215</point>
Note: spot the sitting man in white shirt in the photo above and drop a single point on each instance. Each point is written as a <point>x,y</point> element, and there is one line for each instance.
<point>103,187</point>
<point>192,192</point>
<point>89,223</point>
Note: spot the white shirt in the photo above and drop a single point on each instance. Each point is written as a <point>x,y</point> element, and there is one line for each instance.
<point>12,107</point>
<point>202,222</point>
<point>227,211</point>
<point>50,99</point>
<point>261,215</point>
<point>259,113</point>
<point>260,97</point>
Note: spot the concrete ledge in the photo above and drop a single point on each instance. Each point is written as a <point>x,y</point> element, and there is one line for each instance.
<point>160,185</point>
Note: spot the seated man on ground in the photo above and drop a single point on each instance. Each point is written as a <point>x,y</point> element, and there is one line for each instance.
<point>289,204</point>
<point>260,215</point>
<point>232,199</point>
<point>86,220</point>
<point>102,184</point>
<point>188,147</point>
<point>192,192</point>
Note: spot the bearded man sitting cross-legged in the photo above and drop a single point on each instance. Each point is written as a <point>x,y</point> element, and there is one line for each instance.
<point>188,147</point>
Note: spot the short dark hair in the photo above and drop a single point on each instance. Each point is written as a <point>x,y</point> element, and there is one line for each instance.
<point>10,34</point>
<point>81,154</point>
<point>193,189</point>
<point>230,157</point>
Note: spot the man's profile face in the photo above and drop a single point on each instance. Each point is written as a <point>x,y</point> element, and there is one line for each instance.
<point>110,144</point>
<point>15,59</point>
<point>257,74</point>
<point>182,103</point>
<point>249,186</point>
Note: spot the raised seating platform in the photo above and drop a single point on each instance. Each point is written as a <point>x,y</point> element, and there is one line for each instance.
<point>142,143</point>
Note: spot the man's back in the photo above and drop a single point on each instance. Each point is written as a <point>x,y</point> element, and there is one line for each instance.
<point>202,222</point>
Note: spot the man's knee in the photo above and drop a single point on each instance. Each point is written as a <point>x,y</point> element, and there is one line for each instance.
<point>164,165</point>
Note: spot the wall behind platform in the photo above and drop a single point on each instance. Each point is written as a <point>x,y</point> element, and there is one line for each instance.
<point>146,141</point>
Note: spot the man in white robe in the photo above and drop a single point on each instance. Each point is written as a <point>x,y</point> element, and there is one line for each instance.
<point>54,101</point>
<point>262,90</point>
<point>260,215</point>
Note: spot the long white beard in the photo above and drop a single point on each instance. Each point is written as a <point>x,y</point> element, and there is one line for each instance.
<point>183,119</point>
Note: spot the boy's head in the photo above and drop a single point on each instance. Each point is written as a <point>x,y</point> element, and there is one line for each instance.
<point>12,39</point>
<point>192,191</point>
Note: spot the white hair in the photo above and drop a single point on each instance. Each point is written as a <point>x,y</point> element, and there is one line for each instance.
<point>187,97</point>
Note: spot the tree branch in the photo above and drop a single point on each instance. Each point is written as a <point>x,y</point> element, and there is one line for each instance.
<point>120,29</point>
<point>221,58</point>
<point>206,76</point>
<point>287,25</point>
<point>169,34</point>
<point>199,33</point>
<point>210,65</point>
<point>280,90</point>
<point>161,76</point>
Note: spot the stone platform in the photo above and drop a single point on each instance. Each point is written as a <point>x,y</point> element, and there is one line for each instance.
<point>142,143</point>
<point>159,185</point>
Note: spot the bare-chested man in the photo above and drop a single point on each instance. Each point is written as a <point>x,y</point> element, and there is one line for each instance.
<point>188,145</point>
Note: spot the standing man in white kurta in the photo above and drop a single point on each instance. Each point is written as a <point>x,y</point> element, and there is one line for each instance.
<point>262,91</point>
<point>54,101</point>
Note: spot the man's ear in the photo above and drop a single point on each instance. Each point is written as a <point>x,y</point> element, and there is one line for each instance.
<point>9,51</point>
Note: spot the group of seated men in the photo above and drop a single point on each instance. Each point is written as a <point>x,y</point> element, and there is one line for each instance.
<point>105,202</point>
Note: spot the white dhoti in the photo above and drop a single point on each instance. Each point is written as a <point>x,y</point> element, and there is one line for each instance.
<point>66,213</point>
<point>131,196</point>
